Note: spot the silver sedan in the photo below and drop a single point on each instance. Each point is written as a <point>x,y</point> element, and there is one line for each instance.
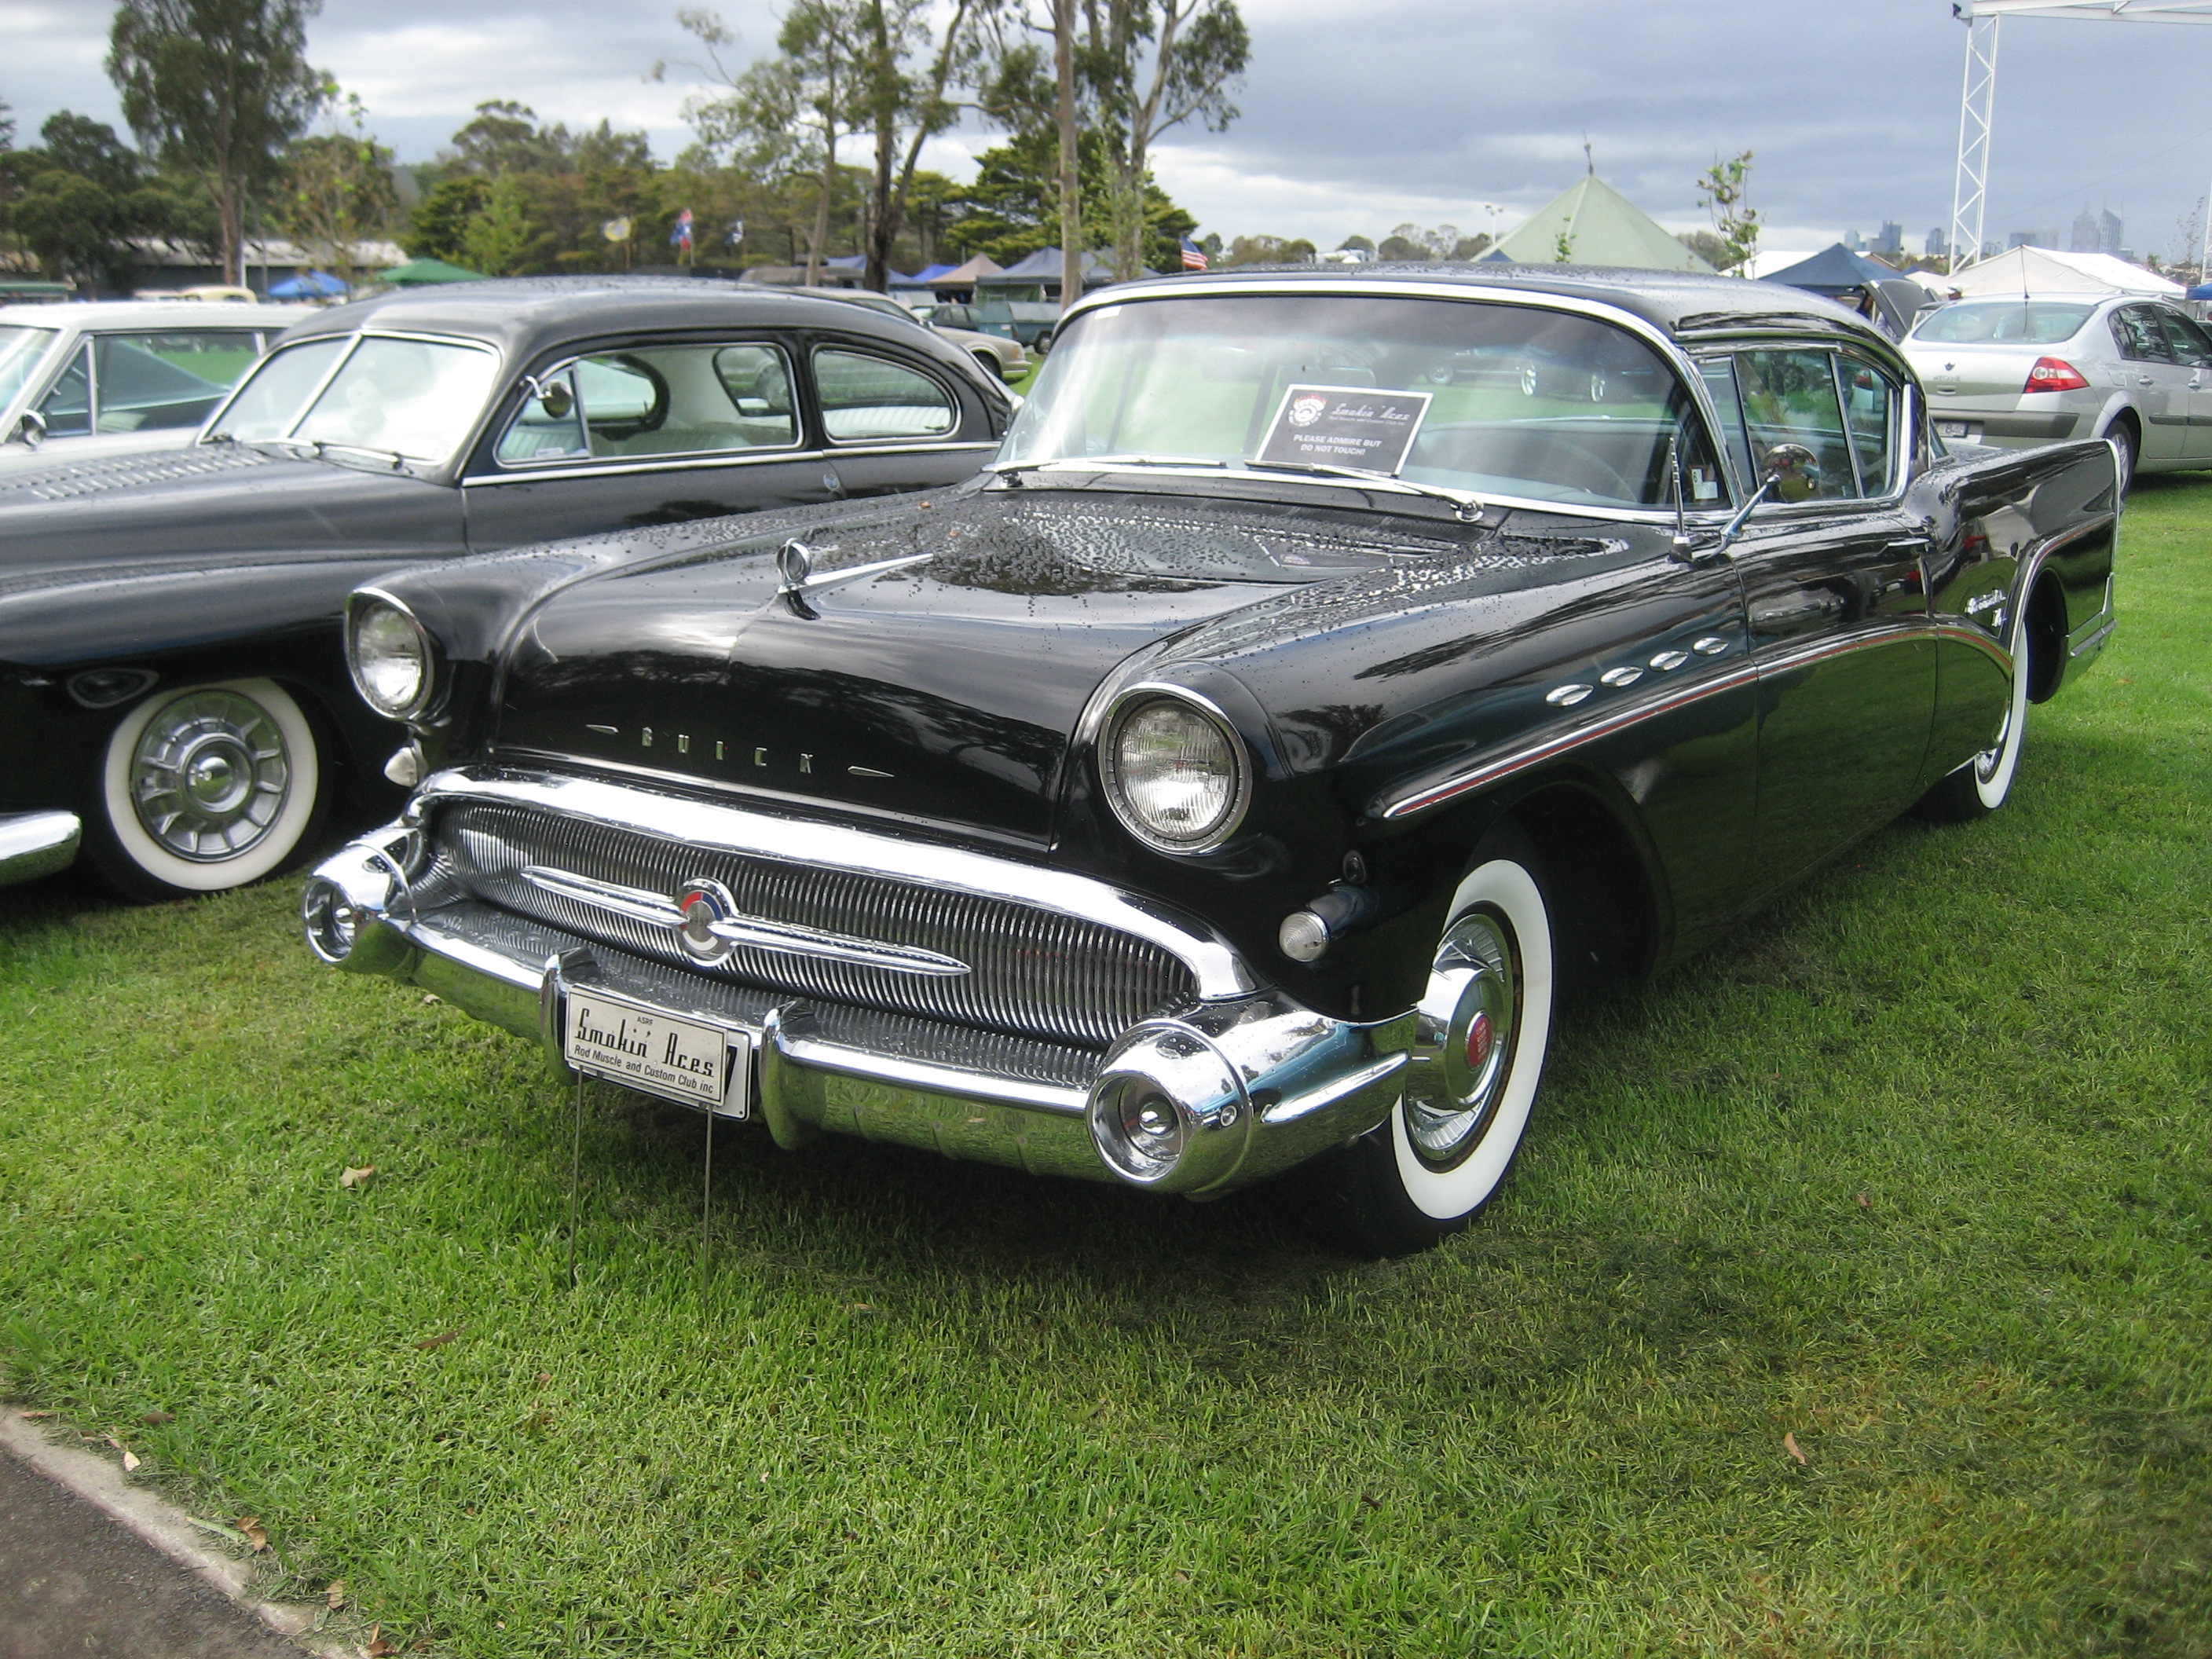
<point>2016,373</point>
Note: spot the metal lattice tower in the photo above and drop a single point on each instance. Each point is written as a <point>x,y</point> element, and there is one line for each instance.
<point>1978,102</point>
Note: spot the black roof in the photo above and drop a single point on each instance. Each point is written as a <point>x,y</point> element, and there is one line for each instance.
<point>1680,302</point>
<point>523,315</point>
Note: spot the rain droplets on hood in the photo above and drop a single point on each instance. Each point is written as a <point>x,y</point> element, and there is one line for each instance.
<point>67,479</point>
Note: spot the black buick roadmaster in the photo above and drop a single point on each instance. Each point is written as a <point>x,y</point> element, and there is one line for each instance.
<point>1327,667</point>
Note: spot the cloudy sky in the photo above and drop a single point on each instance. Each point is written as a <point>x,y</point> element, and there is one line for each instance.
<point>1358,116</point>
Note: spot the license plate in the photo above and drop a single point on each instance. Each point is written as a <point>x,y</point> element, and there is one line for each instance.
<point>649,1049</point>
<point>1958,429</point>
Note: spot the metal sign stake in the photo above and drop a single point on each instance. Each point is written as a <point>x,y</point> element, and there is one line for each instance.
<point>706,1207</point>
<point>575,1175</point>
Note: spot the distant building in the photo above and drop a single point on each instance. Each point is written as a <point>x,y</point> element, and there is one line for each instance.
<point>2110,232</point>
<point>1937,245</point>
<point>1891,240</point>
<point>2097,233</point>
<point>2033,239</point>
<point>1852,241</point>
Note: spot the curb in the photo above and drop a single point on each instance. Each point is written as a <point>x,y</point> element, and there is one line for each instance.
<point>156,1521</point>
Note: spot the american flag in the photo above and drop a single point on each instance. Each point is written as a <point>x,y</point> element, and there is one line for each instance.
<point>1193,256</point>
<point>681,236</point>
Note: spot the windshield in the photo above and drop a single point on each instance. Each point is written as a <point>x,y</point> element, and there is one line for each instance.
<point>1497,400</point>
<point>270,400</point>
<point>20,351</point>
<point>2003,322</point>
<point>416,398</point>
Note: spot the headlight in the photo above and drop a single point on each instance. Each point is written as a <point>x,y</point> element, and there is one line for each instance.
<point>1175,772</point>
<point>390,656</point>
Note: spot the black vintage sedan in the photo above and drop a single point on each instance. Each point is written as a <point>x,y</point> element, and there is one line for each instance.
<point>172,684</point>
<point>1228,780</point>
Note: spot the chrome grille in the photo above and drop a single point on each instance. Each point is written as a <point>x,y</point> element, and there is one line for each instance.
<point>1031,971</point>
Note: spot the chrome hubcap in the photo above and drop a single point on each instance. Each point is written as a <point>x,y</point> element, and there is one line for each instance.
<point>1463,1034</point>
<point>211,775</point>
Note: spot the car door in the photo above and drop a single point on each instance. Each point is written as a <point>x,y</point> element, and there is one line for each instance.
<point>651,432</point>
<point>2156,385</point>
<point>2192,350</point>
<point>1835,601</point>
<point>892,423</point>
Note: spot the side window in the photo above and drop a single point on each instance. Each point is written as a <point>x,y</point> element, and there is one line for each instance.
<point>2137,332</point>
<point>866,397</point>
<point>1720,380</point>
<point>1870,411</point>
<point>650,401</point>
<point>150,382</point>
<point>1789,397</point>
<point>2190,347</point>
<point>67,408</point>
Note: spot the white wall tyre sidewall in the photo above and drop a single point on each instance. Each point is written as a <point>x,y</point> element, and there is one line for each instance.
<point>1446,1195</point>
<point>265,855</point>
<point>1991,791</point>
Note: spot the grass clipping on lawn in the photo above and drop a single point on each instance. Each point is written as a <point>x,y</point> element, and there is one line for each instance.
<point>1851,1296</point>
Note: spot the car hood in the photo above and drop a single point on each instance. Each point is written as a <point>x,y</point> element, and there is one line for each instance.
<point>207,502</point>
<point>946,688</point>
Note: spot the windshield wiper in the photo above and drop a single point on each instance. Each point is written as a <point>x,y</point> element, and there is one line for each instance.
<point>1467,506</point>
<point>319,449</point>
<point>1104,463</point>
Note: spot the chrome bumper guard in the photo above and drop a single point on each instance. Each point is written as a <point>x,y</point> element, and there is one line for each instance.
<point>35,844</point>
<point>1239,1089</point>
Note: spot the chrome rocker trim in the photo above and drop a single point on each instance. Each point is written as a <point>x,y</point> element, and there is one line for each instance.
<point>1287,1082</point>
<point>35,844</point>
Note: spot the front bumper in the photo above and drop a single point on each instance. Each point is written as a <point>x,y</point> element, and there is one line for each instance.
<point>1257,1082</point>
<point>35,844</point>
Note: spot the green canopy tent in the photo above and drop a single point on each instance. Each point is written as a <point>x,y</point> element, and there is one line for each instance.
<point>1598,226</point>
<point>422,273</point>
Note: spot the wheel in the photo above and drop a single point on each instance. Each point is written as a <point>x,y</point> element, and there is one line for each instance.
<point>204,787</point>
<point>1527,380</point>
<point>2126,443</point>
<point>1044,344</point>
<point>990,364</point>
<point>1597,387</point>
<point>1482,1030</point>
<point>1983,783</point>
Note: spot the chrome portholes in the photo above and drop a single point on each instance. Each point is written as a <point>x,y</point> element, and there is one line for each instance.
<point>211,775</point>
<point>1711,646</point>
<point>1617,677</point>
<point>1566,696</point>
<point>1463,1038</point>
<point>1668,661</point>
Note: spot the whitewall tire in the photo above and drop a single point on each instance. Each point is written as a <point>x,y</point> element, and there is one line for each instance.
<point>1984,783</point>
<point>1484,1030</point>
<point>205,787</point>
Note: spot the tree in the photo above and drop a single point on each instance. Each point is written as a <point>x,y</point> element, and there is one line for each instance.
<point>1267,251</point>
<point>218,86</point>
<point>338,193</point>
<point>1012,208</point>
<point>1723,189</point>
<point>77,202</point>
<point>1706,246</point>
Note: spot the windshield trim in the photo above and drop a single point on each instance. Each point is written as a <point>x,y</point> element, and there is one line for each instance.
<point>1670,350</point>
<point>34,381</point>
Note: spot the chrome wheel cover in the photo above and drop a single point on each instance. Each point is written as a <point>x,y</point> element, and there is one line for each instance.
<point>209,775</point>
<point>1463,1038</point>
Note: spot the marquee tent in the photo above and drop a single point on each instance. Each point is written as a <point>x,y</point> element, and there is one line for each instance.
<point>2046,271</point>
<point>1599,227</point>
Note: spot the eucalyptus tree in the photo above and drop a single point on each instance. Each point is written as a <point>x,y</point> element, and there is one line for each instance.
<point>217,87</point>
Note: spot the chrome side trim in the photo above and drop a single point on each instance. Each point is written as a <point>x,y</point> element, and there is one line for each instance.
<point>708,461</point>
<point>2096,641</point>
<point>1217,969</point>
<point>1389,807</point>
<point>35,844</point>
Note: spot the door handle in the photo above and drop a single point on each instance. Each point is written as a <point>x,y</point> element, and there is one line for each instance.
<point>1799,611</point>
<point>2145,379</point>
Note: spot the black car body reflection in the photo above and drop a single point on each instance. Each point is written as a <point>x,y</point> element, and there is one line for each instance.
<point>1146,809</point>
<point>170,661</point>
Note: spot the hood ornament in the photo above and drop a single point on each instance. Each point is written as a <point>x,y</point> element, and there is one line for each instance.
<point>796,577</point>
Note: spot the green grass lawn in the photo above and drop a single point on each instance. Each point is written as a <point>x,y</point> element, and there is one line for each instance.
<point>1918,1168</point>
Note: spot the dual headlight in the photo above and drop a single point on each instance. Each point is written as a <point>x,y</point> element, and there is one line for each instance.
<point>1175,774</point>
<point>390,656</point>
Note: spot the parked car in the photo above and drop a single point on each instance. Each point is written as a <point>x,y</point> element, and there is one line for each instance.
<point>2018,372</point>
<point>171,671</point>
<point>1029,322</point>
<point>1002,358</point>
<point>1225,781</point>
<point>118,377</point>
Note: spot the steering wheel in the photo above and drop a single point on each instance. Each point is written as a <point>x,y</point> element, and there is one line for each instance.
<point>1623,489</point>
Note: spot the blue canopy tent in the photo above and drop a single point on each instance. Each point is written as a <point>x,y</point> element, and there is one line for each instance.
<point>1890,300</point>
<point>308,285</point>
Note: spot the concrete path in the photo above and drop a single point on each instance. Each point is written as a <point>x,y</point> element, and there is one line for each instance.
<point>74,1582</point>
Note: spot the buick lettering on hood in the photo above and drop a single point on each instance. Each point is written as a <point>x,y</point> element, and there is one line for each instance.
<point>1330,670</point>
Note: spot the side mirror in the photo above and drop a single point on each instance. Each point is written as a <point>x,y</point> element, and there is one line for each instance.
<point>1792,471</point>
<point>30,430</point>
